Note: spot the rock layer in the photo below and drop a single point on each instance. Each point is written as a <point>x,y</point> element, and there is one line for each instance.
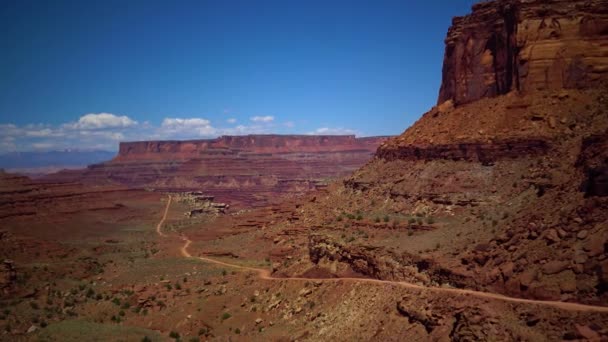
<point>242,171</point>
<point>472,151</point>
<point>508,45</point>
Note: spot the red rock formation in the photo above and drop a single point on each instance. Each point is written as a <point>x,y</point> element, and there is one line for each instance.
<point>247,143</point>
<point>507,45</point>
<point>594,160</point>
<point>240,170</point>
<point>482,152</point>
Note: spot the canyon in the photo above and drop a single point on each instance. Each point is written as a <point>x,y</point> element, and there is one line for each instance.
<point>243,171</point>
<point>487,219</point>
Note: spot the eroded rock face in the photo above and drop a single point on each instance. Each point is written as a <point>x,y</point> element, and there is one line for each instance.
<point>380,263</point>
<point>480,151</point>
<point>594,162</point>
<point>8,276</point>
<point>243,171</point>
<point>508,45</point>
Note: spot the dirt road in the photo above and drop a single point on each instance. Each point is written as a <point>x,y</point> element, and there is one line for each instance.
<point>266,275</point>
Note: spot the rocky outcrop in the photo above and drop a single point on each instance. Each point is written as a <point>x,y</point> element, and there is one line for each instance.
<point>507,45</point>
<point>8,276</point>
<point>380,263</point>
<point>474,151</point>
<point>594,163</point>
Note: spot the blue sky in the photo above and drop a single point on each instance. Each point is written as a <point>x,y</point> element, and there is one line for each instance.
<point>87,74</point>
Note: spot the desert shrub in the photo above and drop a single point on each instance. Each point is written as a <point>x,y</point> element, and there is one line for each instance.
<point>116,301</point>
<point>350,216</point>
<point>339,219</point>
<point>185,280</point>
<point>359,217</point>
<point>178,286</point>
<point>377,219</point>
<point>411,220</point>
<point>386,218</point>
<point>237,331</point>
<point>121,313</point>
<point>224,272</point>
<point>174,335</point>
<point>146,339</point>
<point>430,220</point>
<point>34,305</point>
<point>126,305</point>
<point>225,316</point>
<point>194,339</point>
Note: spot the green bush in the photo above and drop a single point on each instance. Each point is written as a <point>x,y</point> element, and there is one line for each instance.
<point>225,316</point>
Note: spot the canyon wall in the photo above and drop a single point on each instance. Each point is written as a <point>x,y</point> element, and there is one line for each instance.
<point>246,143</point>
<point>243,171</point>
<point>526,46</point>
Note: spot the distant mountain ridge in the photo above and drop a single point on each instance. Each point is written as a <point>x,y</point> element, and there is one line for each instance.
<point>72,158</point>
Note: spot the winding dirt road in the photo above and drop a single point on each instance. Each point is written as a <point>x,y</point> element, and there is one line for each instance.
<point>265,275</point>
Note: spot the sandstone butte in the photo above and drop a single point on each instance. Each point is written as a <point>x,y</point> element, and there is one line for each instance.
<point>486,220</point>
<point>243,171</point>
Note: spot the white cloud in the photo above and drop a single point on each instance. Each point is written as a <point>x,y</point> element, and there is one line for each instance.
<point>267,118</point>
<point>104,131</point>
<point>44,133</point>
<point>102,121</point>
<point>191,127</point>
<point>333,131</point>
<point>43,146</point>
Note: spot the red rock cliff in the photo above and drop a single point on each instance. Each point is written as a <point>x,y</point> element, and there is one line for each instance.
<point>525,45</point>
<point>247,143</point>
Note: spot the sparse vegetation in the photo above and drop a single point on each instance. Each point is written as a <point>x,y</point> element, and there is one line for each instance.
<point>225,316</point>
